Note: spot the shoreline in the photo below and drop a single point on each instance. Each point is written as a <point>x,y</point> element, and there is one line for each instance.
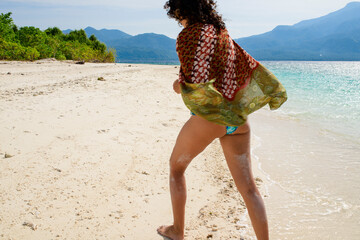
<point>90,159</point>
<point>159,63</point>
<point>310,175</point>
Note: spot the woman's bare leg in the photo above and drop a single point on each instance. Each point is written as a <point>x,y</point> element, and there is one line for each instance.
<point>194,137</point>
<point>237,153</point>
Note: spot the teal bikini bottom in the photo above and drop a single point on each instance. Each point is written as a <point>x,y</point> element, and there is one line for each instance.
<point>229,129</point>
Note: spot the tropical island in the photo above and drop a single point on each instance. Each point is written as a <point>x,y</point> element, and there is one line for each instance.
<point>333,37</point>
<point>30,43</point>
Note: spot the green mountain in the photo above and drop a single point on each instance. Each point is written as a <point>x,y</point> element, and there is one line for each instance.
<point>142,48</point>
<point>335,36</point>
<point>145,48</point>
<point>106,35</point>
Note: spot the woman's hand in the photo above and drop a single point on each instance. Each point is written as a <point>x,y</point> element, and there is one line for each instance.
<point>176,86</point>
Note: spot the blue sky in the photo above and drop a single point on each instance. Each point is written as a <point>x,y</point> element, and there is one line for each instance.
<point>243,18</point>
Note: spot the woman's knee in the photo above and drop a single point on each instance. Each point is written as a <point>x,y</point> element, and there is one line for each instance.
<point>250,192</point>
<point>179,164</point>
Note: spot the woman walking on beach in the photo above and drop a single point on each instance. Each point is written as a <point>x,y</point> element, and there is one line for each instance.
<point>220,84</point>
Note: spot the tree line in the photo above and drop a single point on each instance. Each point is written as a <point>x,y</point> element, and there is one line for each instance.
<point>30,43</point>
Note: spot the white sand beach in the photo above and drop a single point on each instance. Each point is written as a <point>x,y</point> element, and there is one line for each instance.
<point>84,154</point>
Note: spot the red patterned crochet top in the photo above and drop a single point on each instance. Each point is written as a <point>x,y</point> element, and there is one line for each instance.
<point>207,54</point>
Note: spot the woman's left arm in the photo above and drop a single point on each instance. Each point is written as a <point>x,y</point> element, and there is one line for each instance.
<point>176,86</point>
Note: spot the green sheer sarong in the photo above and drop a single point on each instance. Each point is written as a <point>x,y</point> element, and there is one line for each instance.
<point>206,101</point>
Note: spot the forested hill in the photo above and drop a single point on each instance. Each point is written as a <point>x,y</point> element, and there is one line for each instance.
<point>104,35</point>
<point>142,48</point>
<point>335,36</point>
<point>30,43</point>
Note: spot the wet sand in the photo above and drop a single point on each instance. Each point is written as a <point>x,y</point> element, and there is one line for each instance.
<point>84,154</point>
<point>89,158</point>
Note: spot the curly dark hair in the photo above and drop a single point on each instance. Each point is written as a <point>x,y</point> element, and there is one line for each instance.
<point>195,11</point>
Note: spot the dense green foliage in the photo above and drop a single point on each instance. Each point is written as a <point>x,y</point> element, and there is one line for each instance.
<point>30,43</point>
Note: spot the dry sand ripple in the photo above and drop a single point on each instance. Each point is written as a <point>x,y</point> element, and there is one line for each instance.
<point>88,158</point>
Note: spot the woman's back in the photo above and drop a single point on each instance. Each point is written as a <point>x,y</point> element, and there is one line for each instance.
<point>206,53</point>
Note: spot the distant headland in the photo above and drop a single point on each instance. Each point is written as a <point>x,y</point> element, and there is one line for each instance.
<point>333,37</point>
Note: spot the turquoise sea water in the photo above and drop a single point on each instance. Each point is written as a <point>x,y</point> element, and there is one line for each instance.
<point>326,93</point>
<point>313,163</point>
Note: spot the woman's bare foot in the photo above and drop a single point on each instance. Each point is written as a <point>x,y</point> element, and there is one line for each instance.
<point>170,232</point>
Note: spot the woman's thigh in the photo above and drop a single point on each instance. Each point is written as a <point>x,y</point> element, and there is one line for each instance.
<point>237,153</point>
<point>194,137</point>
<point>241,129</point>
